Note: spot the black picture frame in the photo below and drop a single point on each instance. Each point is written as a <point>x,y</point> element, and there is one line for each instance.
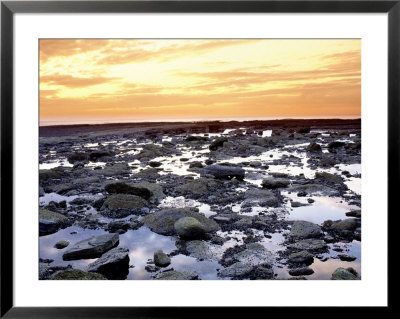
<point>9,8</point>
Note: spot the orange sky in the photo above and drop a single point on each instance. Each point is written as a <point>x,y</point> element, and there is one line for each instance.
<point>94,80</point>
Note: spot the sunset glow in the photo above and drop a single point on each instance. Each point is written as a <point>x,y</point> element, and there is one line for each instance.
<point>139,80</point>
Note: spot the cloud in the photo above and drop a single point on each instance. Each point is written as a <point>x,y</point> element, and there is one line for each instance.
<point>73,82</point>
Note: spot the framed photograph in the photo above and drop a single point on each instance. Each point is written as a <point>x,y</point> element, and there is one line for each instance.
<point>160,155</point>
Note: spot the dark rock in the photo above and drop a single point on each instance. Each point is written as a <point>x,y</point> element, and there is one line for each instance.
<point>61,244</point>
<point>50,222</point>
<point>92,247</point>
<point>301,257</point>
<point>275,183</point>
<point>177,275</point>
<point>336,144</point>
<point>314,147</point>
<point>77,157</point>
<point>302,229</point>
<point>218,142</point>
<point>345,257</point>
<point>161,259</point>
<point>114,264</point>
<point>122,188</point>
<point>304,271</point>
<point>343,274</point>
<point>221,171</point>
<point>76,274</point>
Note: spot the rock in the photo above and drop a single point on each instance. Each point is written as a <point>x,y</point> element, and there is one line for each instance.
<point>112,170</point>
<point>336,144</point>
<point>302,229</point>
<point>345,257</point>
<point>114,264</point>
<point>329,177</point>
<point>314,147</point>
<point>343,274</point>
<point>345,224</point>
<point>218,142</point>
<point>120,201</point>
<point>303,130</point>
<point>255,254</point>
<point>262,272</point>
<point>61,244</point>
<point>222,171</point>
<point>189,228</point>
<point>94,156</point>
<point>76,274</point>
<point>238,269</point>
<point>156,190</point>
<point>301,257</point>
<point>200,186</point>
<point>155,164</point>
<point>199,249</point>
<point>196,165</point>
<point>264,196</point>
<point>354,213</point>
<point>273,183</point>
<point>77,157</point>
<point>92,247</point>
<point>304,271</point>
<point>309,245</point>
<point>163,221</point>
<point>161,259</point>
<point>118,226</point>
<point>50,222</point>
<point>41,191</point>
<point>177,275</point>
<point>122,188</point>
<point>54,173</point>
<point>150,151</point>
<point>313,188</point>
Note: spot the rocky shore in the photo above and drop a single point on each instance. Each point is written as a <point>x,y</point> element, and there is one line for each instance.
<point>198,201</point>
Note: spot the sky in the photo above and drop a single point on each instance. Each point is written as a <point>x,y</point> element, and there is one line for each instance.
<point>123,80</point>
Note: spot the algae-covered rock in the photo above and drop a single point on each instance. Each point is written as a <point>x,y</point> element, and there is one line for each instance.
<point>121,201</point>
<point>189,228</point>
<point>163,221</point>
<point>343,274</point>
<point>177,275</point>
<point>76,274</point>
<point>50,222</point>
<point>161,259</point>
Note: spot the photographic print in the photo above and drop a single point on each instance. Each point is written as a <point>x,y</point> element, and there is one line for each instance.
<point>199,159</point>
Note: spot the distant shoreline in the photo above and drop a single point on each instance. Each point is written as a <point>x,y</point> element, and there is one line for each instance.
<point>194,126</point>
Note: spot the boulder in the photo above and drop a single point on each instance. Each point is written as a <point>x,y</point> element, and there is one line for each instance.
<point>189,228</point>
<point>121,201</point>
<point>222,171</point>
<point>218,142</point>
<point>304,271</point>
<point>76,274</point>
<point>61,244</point>
<point>273,183</point>
<point>345,224</point>
<point>92,247</point>
<point>163,221</point>
<point>122,188</point>
<point>302,229</point>
<point>114,264</point>
<point>177,275</point>
<point>77,157</point>
<point>314,147</point>
<point>309,245</point>
<point>50,222</point>
<point>301,257</point>
<point>329,177</point>
<point>262,196</point>
<point>343,274</point>
<point>161,259</point>
<point>238,269</point>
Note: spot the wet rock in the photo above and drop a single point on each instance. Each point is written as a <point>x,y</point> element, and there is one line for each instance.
<point>54,173</point>
<point>41,191</point>
<point>345,257</point>
<point>310,200</point>
<point>218,142</point>
<point>309,245</point>
<point>94,156</point>
<point>200,186</point>
<point>155,164</point>
<point>118,201</point>
<point>314,147</point>
<point>222,171</point>
<point>177,275</point>
<point>196,165</point>
<point>345,224</point>
<point>199,249</point>
<point>239,269</point>
<point>76,274</point>
<point>112,170</point>
<point>148,173</point>
<point>329,177</point>
<point>189,228</point>
<point>161,259</point>
<point>303,130</point>
<point>336,144</point>
<point>301,257</point>
<point>312,189</point>
<point>122,188</point>
<point>254,254</point>
<point>77,157</point>
<point>150,151</point>
<point>302,229</point>
<point>151,268</point>
<point>50,222</point>
<point>262,272</point>
<point>272,183</point>
<point>118,226</point>
<point>163,221</point>
<point>92,247</point>
<point>354,213</point>
<point>304,271</point>
<point>114,264</point>
<point>61,244</point>
<point>263,196</point>
<point>343,274</point>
